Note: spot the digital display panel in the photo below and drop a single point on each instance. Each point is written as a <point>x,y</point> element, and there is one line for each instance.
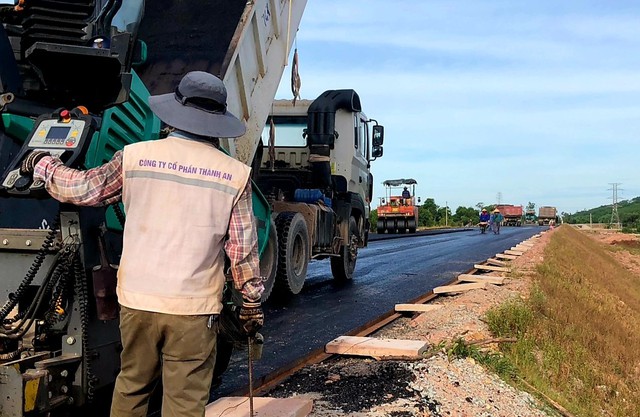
<point>58,132</point>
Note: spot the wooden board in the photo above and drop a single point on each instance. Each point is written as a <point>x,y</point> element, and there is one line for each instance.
<point>262,407</point>
<point>503,256</point>
<point>481,278</point>
<point>417,307</point>
<point>513,252</point>
<point>525,243</point>
<point>519,248</point>
<point>458,287</point>
<point>496,262</point>
<point>377,348</point>
<point>491,268</point>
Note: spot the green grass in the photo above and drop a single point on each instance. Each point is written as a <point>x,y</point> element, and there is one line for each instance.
<point>578,333</point>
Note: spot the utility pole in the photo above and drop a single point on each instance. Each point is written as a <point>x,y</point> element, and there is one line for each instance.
<point>615,218</point>
<point>446,213</point>
<point>499,197</point>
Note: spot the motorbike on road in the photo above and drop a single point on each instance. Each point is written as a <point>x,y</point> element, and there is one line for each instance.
<point>483,226</point>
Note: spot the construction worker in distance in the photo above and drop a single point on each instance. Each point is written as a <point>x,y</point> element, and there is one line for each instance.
<point>187,204</point>
<point>496,221</point>
<point>406,195</point>
<point>484,220</point>
<point>484,216</point>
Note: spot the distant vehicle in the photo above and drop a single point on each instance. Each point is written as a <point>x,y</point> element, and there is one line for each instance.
<point>546,214</point>
<point>512,214</point>
<point>398,214</point>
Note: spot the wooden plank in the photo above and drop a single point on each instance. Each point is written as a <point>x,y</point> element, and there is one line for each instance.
<point>503,256</point>
<point>519,248</point>
<point>417,307</point>
<point>496,262</point>
<point>377,348</point>
<point>481,278</point>
<point>525,243</point>
<point>513,252</point>
<point>491,268</point>
<point>458,287</point>
<point>262,406</point>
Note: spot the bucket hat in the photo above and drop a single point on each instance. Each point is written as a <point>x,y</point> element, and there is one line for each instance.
<point>198,106</point>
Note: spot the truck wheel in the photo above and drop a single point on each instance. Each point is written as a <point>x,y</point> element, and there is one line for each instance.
<point>342,267</point>
<point>269,262</point>
<point>381,226</point>
<point>293,253</point>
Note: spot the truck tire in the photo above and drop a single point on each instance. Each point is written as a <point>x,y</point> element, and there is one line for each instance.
<point>269,262</point>
<point>342,267</point>
<point>293,253</point>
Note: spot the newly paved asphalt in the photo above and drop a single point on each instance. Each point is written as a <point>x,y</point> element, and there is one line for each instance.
<point>387,272</point>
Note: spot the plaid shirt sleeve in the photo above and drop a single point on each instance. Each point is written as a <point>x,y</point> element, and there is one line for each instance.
<point>98,186</point>
<point>242,248</point>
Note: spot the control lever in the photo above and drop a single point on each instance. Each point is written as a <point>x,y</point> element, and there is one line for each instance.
<point>64,134</point>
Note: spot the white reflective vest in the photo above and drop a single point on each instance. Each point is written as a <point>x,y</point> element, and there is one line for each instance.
<point>178,195</point>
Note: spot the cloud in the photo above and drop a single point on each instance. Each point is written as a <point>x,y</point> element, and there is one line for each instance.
<point>536,100</point>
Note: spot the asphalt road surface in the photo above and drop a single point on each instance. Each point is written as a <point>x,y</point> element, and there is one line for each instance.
<point>387,272</point>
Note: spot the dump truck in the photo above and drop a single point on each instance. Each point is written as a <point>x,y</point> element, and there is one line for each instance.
<point>315,171</point>
<point>398,213</point>
<point>74,80</point>
<point>512,214</point>
<point>546,214</point>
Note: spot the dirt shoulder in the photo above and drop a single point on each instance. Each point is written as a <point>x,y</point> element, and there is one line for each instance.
<point>434,386</point>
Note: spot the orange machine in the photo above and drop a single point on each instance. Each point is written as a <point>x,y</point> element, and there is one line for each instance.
<point>398,212</point>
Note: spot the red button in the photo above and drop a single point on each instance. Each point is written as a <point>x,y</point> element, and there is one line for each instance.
<point>65,116</point>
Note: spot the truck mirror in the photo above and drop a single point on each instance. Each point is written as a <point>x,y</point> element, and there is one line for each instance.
<point>378,136</point>
<point>377,151</point>
<point>419,200</point>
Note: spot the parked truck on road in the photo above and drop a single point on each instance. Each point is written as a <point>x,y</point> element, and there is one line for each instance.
<point>512,214</point>
<point>314,168</point>
<point>546,214</point>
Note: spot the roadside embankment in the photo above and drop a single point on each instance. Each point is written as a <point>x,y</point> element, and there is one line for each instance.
<point>561,336</point>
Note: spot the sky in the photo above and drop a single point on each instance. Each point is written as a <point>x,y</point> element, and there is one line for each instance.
<point>486,101</point>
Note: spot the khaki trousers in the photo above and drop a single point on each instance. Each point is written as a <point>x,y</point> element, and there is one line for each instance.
<point>180,349</point>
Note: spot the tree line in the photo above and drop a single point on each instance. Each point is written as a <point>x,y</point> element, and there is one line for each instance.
<point>628,211</point>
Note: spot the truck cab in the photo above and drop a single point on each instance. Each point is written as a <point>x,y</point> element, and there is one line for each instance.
<point>315,166</point>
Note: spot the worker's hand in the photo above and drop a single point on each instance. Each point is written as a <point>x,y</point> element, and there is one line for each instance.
<point>251,317</point>
<point>29,163</point>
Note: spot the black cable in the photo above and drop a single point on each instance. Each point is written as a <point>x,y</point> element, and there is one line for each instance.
<point>34,307</point>
<point>119,214</point>
<point>83,306</point>
<point>32,272</point>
